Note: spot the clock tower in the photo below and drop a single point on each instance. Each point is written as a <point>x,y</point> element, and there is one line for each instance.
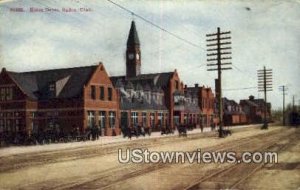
<point>133,53</point>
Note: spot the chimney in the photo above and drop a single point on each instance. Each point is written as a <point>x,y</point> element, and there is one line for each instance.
<point>196,85</point>
<point>251,97</point>
<point>185,86</point>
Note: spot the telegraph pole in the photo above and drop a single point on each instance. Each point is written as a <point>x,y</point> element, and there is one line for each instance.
<point>215,60</point>
<point>264,85</point>
<point>293,102</point>
<point>283,88</point>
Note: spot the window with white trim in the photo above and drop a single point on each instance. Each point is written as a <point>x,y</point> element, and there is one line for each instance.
<point>134,118</point>
<point>112,119</point>
<point>160,118</point>
<point>91,119</point>
<point>152,119</point>
<point>101,119</point>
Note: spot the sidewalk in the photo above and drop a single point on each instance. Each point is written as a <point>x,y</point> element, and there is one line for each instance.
<point>6,151</point>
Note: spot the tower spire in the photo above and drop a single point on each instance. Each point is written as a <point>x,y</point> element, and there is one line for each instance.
<point>133,38</point>
<point>133,53</point>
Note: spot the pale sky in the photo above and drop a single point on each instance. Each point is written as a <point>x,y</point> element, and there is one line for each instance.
<point>263,33</point>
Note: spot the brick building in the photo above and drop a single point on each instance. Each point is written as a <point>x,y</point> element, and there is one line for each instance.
<point>83,97</point>
<point>254,109</point>
<point>61,99</point>
<point>146,99</point>
<point>233,113</point>
<point>206,104</point>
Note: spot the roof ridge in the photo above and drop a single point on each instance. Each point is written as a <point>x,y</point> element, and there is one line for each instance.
<point>28,72</point>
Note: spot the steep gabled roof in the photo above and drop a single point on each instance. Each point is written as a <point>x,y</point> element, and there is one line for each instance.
<point>133,38</point>
<point>69,81</point>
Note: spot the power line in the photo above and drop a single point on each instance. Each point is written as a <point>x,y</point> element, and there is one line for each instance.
<point>233,89</point>
<point>155,25</point>
<point>246,88</point>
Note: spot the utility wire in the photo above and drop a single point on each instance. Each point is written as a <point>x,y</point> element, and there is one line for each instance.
<point>246,88</point>
<point>155,25</point>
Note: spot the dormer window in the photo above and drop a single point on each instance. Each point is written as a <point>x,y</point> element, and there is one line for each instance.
<point>52,87</point>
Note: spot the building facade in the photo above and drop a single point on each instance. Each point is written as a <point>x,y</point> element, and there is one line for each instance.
<point>206,104</point>
<point>254,109</point>
<point>81,98</point>
<point>179,104</point>
<point>233,113</point>
<point>60,99</point>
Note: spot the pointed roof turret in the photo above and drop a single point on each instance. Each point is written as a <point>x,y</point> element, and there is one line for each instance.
<point>133,38</point>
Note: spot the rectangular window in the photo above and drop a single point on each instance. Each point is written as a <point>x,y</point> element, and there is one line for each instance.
<point>112,119</point>
<point>152,119</point>
<point>52,87</point>
<point>176,85</point>
<point>160,119</point>
<point>91,119</point>
<point>17,122</point>
<point>144,116</point>
<point>6,93</point>
<point>101,93</point>
<point>33,114</point>
<point>134,118</point>
<point>93,92</point>
<point>101,119</point>
<point>2,94</point>
<point>176,120</point>
<point>1,125</point>
<point>185,118</point>
<point>109,94</point>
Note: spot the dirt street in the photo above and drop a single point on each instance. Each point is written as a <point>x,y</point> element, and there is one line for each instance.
<point>97,166</point>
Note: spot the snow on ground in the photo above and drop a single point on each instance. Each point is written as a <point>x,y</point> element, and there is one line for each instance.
<point>13,150</point>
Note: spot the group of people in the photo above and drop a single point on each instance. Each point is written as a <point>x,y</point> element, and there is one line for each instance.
<point>93,132</point>
<point>135,130</point>
<point>57,134</point>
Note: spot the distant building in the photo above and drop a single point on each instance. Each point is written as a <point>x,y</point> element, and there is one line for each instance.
<point>254,109</point>
<point>233,113</point>
<point>206,104</point>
